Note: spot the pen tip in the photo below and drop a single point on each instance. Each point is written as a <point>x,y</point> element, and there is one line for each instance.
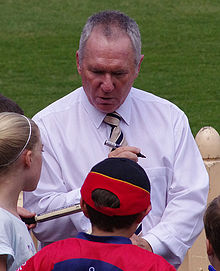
<point>141,155</point>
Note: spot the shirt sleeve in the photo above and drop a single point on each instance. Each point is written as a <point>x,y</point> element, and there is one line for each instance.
<point>52,194</point>
<point>181,221</point>
<point>6,239</point>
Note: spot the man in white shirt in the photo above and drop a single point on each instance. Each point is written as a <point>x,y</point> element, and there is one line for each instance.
<point>73,134</point>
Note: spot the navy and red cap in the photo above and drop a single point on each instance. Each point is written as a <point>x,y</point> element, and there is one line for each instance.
<point>123,177</point>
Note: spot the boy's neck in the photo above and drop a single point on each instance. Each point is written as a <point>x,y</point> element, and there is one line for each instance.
<point>116,232</point>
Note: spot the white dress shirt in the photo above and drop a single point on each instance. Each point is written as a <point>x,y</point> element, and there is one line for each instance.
<point>73,134</point>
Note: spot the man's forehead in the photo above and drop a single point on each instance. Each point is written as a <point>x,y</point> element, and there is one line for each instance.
<point>99,45</point>
<point>109,57</point>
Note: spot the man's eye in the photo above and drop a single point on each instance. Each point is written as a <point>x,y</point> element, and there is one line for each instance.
<point>119,73</point>
<point>97,72</point>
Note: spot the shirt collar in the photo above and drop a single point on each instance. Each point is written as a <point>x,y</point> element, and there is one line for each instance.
<point>104,239</point>
<point>97,116</point>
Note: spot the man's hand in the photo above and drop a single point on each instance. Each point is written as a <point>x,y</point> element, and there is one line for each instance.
<point>140,242</point>
<point>125,152</point>
<point>27,214</point>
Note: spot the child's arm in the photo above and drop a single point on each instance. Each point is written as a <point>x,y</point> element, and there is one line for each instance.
<point>3,260</point>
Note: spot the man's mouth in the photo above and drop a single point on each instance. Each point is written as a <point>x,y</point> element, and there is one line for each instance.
<point>104,100</point>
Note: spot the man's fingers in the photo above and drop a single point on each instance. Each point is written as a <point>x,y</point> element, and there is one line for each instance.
<point>125,152</point>
<point>140,242</point>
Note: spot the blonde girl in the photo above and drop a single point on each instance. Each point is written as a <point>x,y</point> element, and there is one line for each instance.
<point>20,167</point>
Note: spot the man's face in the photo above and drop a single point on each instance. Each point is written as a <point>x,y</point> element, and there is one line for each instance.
<point>107,70</point>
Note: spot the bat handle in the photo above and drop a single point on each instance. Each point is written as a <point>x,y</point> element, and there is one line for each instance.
<point>28,220</point>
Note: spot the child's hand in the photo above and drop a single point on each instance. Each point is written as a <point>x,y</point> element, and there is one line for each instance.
<point>24,213</point>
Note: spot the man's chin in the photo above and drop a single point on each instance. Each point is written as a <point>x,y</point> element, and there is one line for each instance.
<point>106,108</point>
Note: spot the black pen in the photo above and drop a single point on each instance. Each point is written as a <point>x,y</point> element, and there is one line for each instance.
<point>115,145</point>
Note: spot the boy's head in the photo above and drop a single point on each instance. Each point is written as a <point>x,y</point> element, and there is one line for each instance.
<point>116,192</point>
<point>7,105</point>
<point>212,229</point>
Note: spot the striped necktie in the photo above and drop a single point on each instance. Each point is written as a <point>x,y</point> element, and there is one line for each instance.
<point>116,135</point>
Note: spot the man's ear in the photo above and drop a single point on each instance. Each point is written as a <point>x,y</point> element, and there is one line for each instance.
<point>77,62</point>
<point>143,214</point>
<point>139,66</point>
<point>83,207</point>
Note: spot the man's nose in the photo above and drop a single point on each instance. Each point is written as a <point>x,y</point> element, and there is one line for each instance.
<point>107,84</point>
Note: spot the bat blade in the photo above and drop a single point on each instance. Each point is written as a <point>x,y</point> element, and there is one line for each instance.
<point>52,214</point>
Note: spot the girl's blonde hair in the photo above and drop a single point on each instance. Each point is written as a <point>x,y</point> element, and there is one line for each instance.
<point>17,133</point>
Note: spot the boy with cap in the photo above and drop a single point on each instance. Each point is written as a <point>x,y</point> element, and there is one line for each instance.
<point>115,197</point>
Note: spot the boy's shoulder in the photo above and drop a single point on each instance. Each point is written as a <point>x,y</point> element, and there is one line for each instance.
<point>76,252</point>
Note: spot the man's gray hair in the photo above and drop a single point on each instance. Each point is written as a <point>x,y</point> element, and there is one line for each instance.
<point>109,19</point>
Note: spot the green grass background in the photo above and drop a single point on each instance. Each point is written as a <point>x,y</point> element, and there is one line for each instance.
<point>181,44</point>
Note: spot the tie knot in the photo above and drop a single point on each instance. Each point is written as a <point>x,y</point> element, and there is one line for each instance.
<point>112,119</point>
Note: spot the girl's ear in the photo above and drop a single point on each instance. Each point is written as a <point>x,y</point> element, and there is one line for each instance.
<point>28,158</point>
